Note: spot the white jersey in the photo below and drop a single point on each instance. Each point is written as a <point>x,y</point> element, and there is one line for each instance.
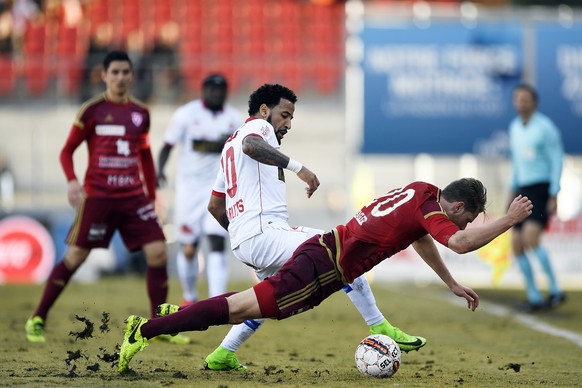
<point>254,192</point>
<point>200,134</point>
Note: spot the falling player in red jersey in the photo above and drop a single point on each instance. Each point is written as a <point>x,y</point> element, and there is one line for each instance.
<point>116,129</point>
<point>416,215</point>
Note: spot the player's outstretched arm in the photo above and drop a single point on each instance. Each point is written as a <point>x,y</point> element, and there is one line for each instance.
<point>427,250</point>
<point>474,238</point>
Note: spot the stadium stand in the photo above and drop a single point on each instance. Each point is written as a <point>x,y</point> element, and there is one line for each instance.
<point>251,41</point>
<point>297,42</point>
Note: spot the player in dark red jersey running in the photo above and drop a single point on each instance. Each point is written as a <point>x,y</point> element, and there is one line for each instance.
<point>116,129</point>
<point>413,215</point>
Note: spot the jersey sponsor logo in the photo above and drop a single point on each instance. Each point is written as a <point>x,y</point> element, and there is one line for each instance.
<point>120,180</point>
<point>116,162</point>
<point>207,146</point>
<point>136,118</point>
<point>27,251</point>
<point>361,217</point>
<point>147,212</point>
<point>97,232</point>
<point>110,130</point>
<point>186,229</point>
<point>236,209</point>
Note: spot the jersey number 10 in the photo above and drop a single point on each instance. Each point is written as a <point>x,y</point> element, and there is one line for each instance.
<point>229,172</point>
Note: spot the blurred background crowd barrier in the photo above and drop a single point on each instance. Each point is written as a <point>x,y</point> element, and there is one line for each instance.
<point>389,92</point>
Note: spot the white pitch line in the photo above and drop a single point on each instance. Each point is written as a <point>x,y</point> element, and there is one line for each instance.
<point>526,320</point>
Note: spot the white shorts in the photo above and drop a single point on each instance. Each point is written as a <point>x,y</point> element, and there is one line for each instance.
<point>268,251</point>
<point>191,215</point>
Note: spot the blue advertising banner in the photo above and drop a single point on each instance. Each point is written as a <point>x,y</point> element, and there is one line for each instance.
<point>559,80</point>
<point>445,89</point>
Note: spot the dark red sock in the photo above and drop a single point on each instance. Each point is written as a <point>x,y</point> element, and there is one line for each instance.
<point>226,295</point>
<point>157,284</point>
<point>195,317</point>
<point>55,284</point>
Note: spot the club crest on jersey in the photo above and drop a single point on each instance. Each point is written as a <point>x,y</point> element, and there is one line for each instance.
<point>265,130</point>
<point>136,118</point>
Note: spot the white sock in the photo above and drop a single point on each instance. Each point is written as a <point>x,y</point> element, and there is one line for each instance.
<point>362,297</point>
<point>188,274</point>
<point>217,273</point>
<point>240,333</point>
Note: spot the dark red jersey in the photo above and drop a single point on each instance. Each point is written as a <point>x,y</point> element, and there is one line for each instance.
<point>388,225</point>
<point>117,137</point>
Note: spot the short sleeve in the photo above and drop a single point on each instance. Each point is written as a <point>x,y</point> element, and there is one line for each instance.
<point>436,222</point>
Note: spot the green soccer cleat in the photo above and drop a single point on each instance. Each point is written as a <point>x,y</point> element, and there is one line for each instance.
<point>133,341</point>
<point>166,309</point>
<point>405,342</point>
<point>223,359</point>
<point>34,329</point>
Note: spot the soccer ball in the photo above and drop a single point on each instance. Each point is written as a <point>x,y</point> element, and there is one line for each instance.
<point>378,355</point>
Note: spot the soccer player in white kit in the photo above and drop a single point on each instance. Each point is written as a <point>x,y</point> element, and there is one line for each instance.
<point>200,127</point>
<point>248,199</point>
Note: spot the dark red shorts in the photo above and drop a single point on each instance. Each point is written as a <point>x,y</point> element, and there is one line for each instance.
<point>309,277</point>
<point>98,218</point>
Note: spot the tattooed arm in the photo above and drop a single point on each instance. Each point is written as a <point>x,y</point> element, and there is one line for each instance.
<point>258,149</point>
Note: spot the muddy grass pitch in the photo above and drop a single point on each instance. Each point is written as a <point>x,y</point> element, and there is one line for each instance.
<point>85,329</point>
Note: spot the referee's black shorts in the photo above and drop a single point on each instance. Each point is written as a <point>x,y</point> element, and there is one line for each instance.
<point>539,195</point>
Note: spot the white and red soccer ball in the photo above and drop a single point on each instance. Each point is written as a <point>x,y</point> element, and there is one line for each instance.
<point>378,355</point>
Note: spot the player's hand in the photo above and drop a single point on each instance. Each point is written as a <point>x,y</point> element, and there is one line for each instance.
<point>310,178</point>
<point>161,180</point>
<point>470,296</point>
<point>75,193</point>
<point>520,209</point>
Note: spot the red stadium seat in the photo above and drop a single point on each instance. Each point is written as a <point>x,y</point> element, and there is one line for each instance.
<point>67,38</point>
<point>36,75</point>
<point>68,73</point>
<point>192,72</point>
<point>328,75</point>
<point>34,38</point>
<point>8,79</point>
<point>97,13</point>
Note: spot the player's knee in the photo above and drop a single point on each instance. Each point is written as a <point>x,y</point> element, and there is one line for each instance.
<point>243,306</point>
<point>530,242</point>
<point>155,254</point>
<point>75,256</point>
<point>189,250</point>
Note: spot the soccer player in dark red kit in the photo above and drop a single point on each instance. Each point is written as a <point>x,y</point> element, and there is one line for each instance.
<point>416,214</point>
<point>116,129</point>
